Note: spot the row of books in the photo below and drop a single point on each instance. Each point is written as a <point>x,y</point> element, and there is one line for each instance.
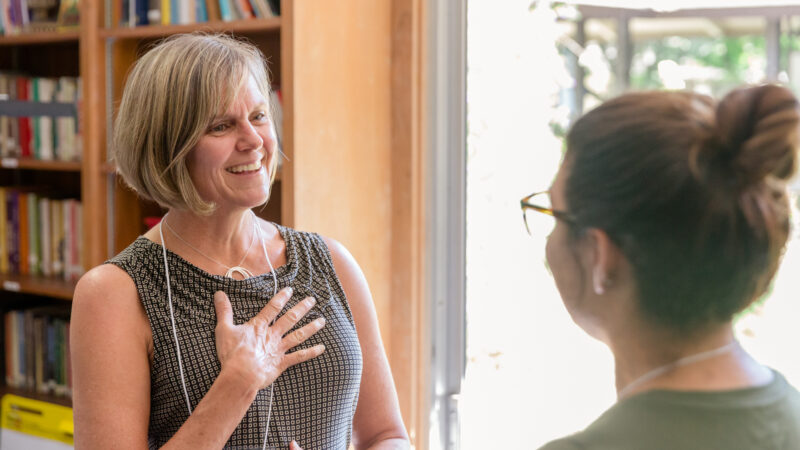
<point>42,136</point>
<point>32,16</point>
<point>37,353</point>
<point>134,13</point>
<point>39,235</point>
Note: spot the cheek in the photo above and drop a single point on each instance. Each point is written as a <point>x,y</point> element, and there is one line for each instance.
<point>564,267</point>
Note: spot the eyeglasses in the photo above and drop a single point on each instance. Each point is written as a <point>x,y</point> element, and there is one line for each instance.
<point>540,202</point>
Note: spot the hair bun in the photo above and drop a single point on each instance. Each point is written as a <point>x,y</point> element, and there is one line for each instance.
<point>757,134</point>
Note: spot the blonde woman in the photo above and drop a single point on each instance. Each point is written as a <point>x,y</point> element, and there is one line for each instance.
<point>216,328</point>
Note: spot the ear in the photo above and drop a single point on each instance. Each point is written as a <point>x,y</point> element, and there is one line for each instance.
<point>605,261</point>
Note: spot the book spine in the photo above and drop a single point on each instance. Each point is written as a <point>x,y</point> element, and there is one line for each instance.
<point>141,12</point>
<point>17,343</point>
<point>38,325</point>
<point>8,319</point>
<point>212,7</point>
<point>45,236</point>
<point>50,356</point>
<point>201,15</point>
<point>24,122</point>
<point>24,237</point>
<point>45,129</point>
<point>166,15</point>
<point>3,233</point>
<point>33,91</point>
<point>34,252</point>
<point>56,241</point>
<point>225,10</point>
<point>12,230</point>
<point>30,355</point>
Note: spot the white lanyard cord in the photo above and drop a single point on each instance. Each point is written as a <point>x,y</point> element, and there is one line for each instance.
<point>175,334</point>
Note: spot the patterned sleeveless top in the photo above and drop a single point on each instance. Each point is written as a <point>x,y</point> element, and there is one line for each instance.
<point>314,402</point>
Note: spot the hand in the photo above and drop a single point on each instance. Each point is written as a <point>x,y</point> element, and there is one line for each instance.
<point>295,446</point>
<point>256,349</point>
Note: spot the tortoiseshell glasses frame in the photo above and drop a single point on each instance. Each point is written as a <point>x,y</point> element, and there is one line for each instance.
<point>528,205</point>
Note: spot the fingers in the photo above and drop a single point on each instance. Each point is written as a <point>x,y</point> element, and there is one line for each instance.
<point>288,320</point>
<point>295,446</point>
<point>222,306</point>
<point>303,355</point>
<point>302,334</point>
<point>275,305</point>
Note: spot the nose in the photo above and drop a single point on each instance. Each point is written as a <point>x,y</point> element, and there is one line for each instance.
<point>249,138</point>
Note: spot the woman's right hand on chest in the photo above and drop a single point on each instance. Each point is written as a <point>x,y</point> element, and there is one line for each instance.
<point>257,350</point>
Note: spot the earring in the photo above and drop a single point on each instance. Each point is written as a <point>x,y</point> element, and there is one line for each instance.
<point>600,283</point>
<point>599,286</point>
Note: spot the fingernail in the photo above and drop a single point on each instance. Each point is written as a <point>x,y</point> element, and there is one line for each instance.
<point>219,296</point>
<point>289,291</point>
<point>321,321</point>
<point>310,301</point>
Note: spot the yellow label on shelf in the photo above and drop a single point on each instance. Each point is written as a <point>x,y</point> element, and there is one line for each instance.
<point>37,418</point>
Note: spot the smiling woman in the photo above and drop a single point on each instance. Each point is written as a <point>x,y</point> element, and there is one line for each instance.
<point>223,330</point>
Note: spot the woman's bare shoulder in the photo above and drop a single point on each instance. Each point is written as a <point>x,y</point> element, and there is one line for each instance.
<point>106,296</point>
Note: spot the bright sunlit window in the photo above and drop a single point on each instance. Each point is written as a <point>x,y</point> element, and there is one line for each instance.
<point>532,375</point>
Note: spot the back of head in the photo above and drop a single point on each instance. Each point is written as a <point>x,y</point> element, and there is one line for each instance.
<point>172,94</point>
<point>692,192</point>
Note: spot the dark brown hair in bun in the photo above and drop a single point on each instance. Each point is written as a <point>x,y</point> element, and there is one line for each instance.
<point>691,191</point>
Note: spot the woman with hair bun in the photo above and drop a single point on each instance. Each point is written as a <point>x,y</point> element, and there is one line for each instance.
<point>672,214</point>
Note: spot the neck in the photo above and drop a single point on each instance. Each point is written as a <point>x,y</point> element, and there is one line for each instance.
<point>647,359</point>
<point>224,237</point>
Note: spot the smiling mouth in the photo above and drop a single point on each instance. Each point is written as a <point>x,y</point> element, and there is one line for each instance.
<point>252,167</point>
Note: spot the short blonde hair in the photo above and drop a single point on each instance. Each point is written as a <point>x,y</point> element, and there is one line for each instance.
<point>172,95</point>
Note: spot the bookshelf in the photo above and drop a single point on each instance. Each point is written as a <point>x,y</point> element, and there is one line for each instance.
<point>332,62</point>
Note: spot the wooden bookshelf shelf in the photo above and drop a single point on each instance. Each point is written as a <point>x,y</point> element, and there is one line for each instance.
<point>36,164</point>
<point>45,37</point>
<point>58,400</point>
<point>154,31</point>
<point>57,288</point>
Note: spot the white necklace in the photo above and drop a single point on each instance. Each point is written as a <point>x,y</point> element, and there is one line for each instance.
<point>174,330</point>
<point>686,360</point>
<point>231,270</point>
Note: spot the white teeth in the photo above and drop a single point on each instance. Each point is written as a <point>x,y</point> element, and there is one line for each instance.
<point>245,167</point>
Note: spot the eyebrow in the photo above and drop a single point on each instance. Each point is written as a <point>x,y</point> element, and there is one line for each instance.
<point>227,117</point>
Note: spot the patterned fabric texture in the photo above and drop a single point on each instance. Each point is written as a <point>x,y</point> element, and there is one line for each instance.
<point>314,401</point>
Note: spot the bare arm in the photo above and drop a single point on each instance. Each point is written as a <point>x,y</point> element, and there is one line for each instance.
<point>111,341</point>
<point>377,423</point>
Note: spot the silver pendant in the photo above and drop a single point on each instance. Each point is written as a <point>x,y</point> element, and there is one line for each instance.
<point>240,270</point>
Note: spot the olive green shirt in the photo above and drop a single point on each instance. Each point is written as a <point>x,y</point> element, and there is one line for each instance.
<point>763,418</point>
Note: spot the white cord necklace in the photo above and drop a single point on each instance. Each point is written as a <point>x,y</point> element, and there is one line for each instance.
<point>257,229</point>
<point>231,270</point>
<point>686,360</point>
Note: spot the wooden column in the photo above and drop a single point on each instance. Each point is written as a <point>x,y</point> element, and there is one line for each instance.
<point>93,177</point>
<point>408,318</point>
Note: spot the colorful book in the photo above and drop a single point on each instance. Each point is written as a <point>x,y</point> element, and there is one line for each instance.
<point>57,237</point>
<point>3,233</point>
<point>23,84</point>
<point>212,8</point>
<point>45,236</point>
<point>46,88</point>
<point>34,228</point>
<point>22,233</point>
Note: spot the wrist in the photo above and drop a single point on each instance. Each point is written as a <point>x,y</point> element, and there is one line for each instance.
<point>239,382</point>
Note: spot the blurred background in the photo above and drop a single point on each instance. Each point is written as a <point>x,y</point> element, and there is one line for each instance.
<point>532,68</point>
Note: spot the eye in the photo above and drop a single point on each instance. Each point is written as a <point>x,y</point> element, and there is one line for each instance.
<point>259,116</point>
<point>218,128</point>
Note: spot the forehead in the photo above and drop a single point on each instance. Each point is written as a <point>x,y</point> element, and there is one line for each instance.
<point>250,92</point>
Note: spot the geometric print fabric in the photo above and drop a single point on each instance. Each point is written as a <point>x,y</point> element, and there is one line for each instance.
<point>314,402</point>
